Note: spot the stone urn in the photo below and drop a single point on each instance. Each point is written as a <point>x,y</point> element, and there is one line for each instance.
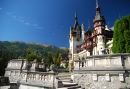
<point>53,67</point>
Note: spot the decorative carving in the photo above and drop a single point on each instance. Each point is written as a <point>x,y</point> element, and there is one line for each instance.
<point>100,39</point>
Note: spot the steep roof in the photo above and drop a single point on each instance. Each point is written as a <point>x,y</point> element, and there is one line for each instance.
<point>76,21</point>
<point>98,15</point>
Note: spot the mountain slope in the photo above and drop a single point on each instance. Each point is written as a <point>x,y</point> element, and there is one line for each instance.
<point>30,51</point>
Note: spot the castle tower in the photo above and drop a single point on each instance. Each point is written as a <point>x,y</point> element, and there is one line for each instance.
<point>83,32</point>
<point>75,38</point>
<point>99,27</point>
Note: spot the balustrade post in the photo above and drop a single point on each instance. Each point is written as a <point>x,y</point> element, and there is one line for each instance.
<point>79,63</point>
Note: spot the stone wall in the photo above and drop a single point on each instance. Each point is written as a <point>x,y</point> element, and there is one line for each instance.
<point>103,72</point>
<point>88,81</point>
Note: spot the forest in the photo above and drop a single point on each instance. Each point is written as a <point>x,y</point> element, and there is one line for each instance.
<point>29,51</point>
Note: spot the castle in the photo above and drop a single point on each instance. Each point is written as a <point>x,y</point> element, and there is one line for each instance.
<point>91,59</point>
<point>95,66</point>
<point>91,42</point>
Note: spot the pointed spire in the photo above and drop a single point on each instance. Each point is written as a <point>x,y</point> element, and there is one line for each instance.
<point>98,15</point>
<point>96,3</point>
<point>76,20</point>
<point>97,6</point>
<point>76,15</point>
<point>88,24</point>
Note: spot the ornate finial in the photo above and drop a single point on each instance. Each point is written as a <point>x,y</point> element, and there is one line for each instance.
<point>82,26</point>
<point>76,10</point>
<point>76,15</point>
<point>88,24</point>
<point>76,20</point>
<point>96,3</point>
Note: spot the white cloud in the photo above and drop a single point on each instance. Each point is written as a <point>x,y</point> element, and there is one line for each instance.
<point>23,20</point>
<point>27,23</point>
<point>35,25</point>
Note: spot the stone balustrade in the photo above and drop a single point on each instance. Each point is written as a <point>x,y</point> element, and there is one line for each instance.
<point>103,72</point>
<point>113,60</point>
<point>23,73</point>
<point>45,79</point>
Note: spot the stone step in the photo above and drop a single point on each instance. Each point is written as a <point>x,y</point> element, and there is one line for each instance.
<point>74,87</point>
<point>66,84</point>
<point>71,87</point>
<point>64,78</point>
<point>64,75</point>
<point>67,80</point>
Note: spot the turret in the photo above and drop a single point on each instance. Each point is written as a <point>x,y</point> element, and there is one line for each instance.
<point>98,16</point>
<point>83,32</point>
<point>99,26</point>
<point>75,40</point>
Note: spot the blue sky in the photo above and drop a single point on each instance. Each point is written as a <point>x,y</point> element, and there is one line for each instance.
<point>49,21</point>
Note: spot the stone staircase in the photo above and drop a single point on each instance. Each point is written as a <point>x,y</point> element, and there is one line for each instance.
<point>67,82</point>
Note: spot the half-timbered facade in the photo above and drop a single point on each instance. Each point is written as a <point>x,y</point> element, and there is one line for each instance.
<point>91,42</point>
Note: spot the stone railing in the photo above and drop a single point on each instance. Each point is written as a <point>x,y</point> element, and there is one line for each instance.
<point>103,62</point>
<point>44,79</point>
<point>103,72</point>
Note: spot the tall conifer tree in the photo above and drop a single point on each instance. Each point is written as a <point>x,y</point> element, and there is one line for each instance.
<point>121,38</point>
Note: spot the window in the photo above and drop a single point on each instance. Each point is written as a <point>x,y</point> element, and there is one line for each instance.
<point>89,42</point>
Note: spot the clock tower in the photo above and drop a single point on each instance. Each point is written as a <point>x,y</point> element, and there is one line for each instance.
<point>99,27</point>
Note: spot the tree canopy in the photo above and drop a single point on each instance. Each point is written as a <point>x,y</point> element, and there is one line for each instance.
<point>121,37</point>
<point>29,51</point>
